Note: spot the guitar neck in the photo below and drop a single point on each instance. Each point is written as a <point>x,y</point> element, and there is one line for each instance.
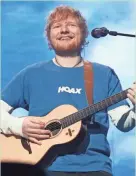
<point>92,109</point>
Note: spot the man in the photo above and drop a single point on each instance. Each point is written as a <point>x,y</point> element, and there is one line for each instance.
<point>42,87</point>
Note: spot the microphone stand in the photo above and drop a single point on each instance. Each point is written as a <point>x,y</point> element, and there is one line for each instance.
<point>114,33</point>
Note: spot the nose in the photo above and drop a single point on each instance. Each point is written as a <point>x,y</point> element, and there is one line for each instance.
<point>64,29</point>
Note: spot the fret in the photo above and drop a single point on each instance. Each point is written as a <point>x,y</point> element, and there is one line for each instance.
<point>71,121</point>
<point>88,109</point>
<point>116,98</point>
<point>67,124</point>
<point>120,96</point>
<point>80,115</point>
<point>67,121</point>
<point>110,101</point>
<point>102,104</point>
<point>92,109</point>
<point>74,117</point>
<point>123,95</point>
<point>63,122</point>
<point>86,112</point>
<point>99,106</point>
<point>106,103</point>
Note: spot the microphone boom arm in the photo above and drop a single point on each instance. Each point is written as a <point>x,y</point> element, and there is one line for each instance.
<point>114,33</point>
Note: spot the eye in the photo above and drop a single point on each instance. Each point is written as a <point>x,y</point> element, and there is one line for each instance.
<point>57,26</point>
<point>72,24</point>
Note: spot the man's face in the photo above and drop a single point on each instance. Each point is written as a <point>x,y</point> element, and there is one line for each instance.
<point>66,35</point>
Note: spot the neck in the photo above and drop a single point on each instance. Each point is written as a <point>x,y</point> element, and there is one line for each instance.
<point>68,61</point>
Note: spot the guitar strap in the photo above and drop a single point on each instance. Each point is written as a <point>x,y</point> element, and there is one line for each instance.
<point>88,81</point>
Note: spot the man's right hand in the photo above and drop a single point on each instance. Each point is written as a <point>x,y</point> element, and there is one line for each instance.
<point>33,129</point>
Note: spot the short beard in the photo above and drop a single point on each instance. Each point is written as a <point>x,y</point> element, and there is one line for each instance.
<point>67,49</point>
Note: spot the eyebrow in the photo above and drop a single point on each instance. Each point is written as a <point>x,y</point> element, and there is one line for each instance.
<point>59,23</point>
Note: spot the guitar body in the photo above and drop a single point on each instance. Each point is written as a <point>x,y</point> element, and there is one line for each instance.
<point>16,149</point>
<point>67,132</point>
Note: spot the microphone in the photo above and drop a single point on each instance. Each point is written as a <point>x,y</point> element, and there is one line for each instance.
<point>102,32</point>
<point>99,32</point>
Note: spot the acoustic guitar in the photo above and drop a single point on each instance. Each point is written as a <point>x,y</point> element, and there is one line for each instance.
<point>65,123</point>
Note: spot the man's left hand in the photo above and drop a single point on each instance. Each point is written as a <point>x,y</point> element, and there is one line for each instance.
<point>132,93</point>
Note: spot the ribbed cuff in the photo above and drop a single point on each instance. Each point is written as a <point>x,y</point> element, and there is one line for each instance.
<point>16,127</point>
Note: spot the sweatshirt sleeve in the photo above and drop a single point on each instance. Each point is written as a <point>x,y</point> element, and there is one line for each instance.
<point>8,123</point>
<point>123,117</point>
<point>12,97</point>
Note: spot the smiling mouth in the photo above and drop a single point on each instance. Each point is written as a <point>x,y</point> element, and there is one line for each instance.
<point>65,38</point>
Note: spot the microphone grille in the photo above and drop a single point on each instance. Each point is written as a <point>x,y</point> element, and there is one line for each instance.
<point>96,33</point>
<point>99,32</point>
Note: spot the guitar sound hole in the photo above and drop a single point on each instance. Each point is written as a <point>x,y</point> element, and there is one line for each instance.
<point>54,127</point>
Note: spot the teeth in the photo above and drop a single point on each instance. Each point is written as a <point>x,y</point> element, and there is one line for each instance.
<point>65,38</point>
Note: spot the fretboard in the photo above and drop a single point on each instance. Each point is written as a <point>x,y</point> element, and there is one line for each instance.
<point>92,109</point>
